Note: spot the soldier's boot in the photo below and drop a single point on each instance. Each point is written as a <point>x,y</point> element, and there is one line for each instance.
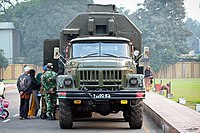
<point>49,117</point>
<point>43,116</point>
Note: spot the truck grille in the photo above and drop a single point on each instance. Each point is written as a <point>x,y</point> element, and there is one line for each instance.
<point>89,75</point>
<point>100,78</point>
<point>109,75</point>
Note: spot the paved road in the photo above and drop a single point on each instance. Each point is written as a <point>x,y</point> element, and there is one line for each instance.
<point>98,124</point>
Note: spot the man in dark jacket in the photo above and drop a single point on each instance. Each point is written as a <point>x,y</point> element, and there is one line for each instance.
<point>24,88</point>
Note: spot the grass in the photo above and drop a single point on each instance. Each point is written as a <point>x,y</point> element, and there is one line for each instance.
<point>188,88</point>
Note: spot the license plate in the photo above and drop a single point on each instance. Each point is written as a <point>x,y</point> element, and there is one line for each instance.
<point>101,96</point>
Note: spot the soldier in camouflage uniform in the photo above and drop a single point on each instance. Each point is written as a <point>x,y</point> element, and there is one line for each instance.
<point>42,92</point>
<point>49,84</point>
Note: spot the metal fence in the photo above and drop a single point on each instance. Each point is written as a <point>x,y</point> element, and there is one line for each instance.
<point>180,70</point>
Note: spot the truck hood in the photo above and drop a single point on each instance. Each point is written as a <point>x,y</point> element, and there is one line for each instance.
<point>101,62</point>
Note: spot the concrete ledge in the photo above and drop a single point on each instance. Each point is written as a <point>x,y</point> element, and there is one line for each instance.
<point>164,125</point>
<point>170,116</point>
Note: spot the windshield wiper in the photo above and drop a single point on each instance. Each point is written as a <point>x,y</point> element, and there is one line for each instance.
<point>110,55</point>
<point>117,56</point>
<point>88,55</point>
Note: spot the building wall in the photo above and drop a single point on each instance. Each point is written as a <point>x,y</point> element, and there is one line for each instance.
<point>16,45</point>
<point>9,41</point>
<point>6,42</point>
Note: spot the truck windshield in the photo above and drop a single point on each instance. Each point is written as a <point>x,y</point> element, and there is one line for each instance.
<point>81,50</point>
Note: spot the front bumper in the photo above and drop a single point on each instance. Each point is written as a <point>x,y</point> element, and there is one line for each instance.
<point>100,95</point>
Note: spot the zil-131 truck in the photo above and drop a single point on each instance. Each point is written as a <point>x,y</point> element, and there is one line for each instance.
<point>97,58</point>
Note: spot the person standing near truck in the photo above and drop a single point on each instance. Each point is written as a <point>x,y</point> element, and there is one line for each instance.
<point>148,75</point>
<point>49,84</point>
<point>24,88</point>
<point>35,86</point>
<point>42,93</point>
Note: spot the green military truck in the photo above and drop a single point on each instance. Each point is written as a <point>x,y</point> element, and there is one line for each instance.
<point>97,57</point>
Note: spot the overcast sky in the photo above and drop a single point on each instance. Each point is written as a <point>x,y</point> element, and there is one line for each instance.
<point>192,6</point>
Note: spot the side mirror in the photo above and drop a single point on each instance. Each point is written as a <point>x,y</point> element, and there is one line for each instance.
<point>146,52</point>
<point>56,53</point>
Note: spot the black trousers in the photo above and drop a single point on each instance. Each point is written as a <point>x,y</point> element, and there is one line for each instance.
<point>24,107</point>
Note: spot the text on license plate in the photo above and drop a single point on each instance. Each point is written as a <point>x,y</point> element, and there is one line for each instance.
<point>101,95</point>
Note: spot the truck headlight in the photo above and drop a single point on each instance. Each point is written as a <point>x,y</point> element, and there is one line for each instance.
<point>61,86</point>
<point>67,82</point>
<point>133,81</point>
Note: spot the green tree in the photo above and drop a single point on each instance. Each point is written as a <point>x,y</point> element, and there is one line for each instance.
<point>123,10</point>
<point>4,4</point>
<point>3,60</point>
<point>37,20</point>
<point>161,22</point>
<point>194,27</point>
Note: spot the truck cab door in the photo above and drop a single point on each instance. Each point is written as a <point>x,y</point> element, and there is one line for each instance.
<point>48,49</point>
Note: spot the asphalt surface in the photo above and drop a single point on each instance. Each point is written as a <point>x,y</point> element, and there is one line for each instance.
<point>113,124</point>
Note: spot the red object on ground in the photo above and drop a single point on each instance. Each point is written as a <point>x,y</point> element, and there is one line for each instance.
<point>158,87</point>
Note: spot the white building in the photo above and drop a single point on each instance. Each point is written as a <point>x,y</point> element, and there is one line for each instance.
<point>9,41</point>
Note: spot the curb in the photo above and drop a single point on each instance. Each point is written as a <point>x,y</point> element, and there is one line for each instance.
<point>170,116</point>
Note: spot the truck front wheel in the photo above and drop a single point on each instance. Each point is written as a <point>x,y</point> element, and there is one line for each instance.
<point>136,118</point>
<point>66,117</point>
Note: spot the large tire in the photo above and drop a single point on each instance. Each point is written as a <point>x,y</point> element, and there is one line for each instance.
<point>66,117</point>
<point>126,115</point>
<point>136,117</point>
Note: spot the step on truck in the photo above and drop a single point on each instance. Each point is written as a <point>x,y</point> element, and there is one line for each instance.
<point>97,58</point>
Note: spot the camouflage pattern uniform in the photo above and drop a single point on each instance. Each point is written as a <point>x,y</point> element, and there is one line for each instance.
<point>42,92</point>
<point>44,105</point>
<point>49,84</point>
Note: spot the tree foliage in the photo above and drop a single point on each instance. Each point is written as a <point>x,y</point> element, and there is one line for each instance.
<point>123,10</point>
<point>4,4</point>
<point>194,27</point>
<point>161,22</point>
<point>3,60</point>
<point>37,20</point>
